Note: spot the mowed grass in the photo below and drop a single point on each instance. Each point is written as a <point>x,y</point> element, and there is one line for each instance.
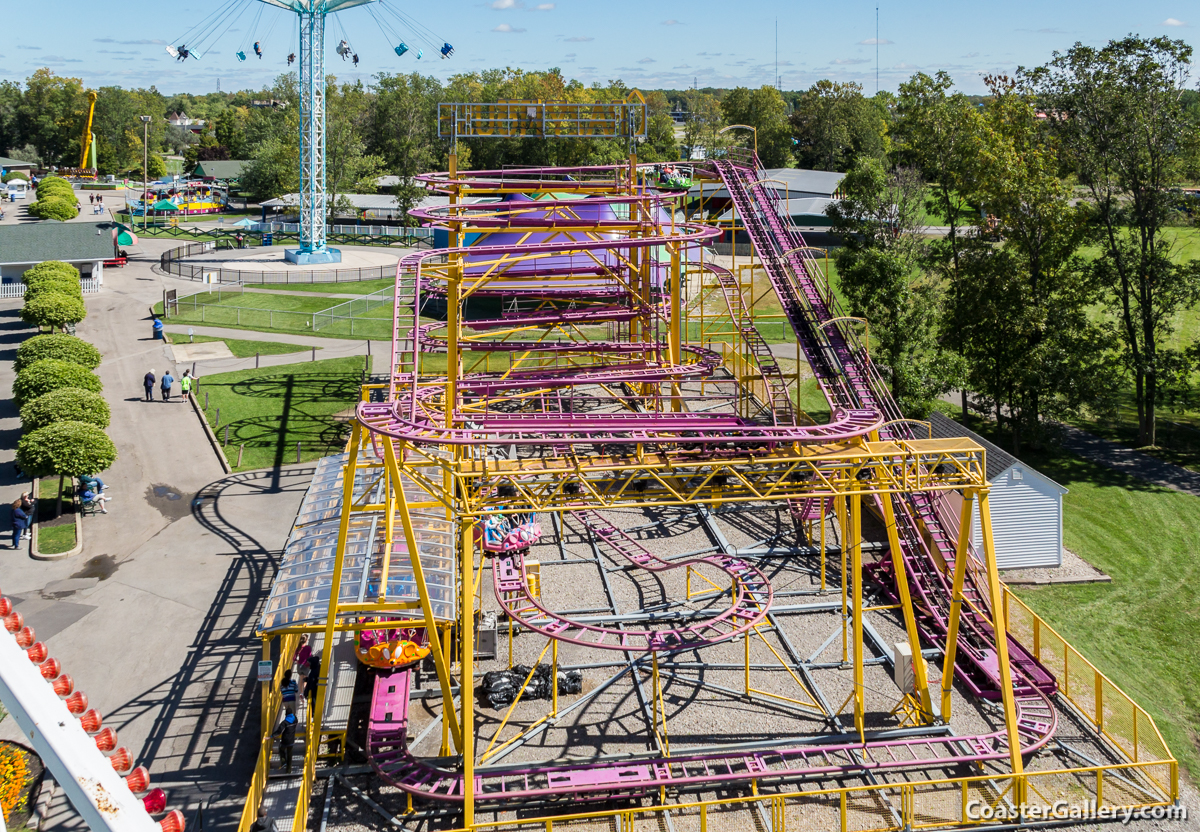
<point>243,348</point>
<point>1140,630</point>
<point>348,287</point>
<point>269,410</point>
<point>284,313</point>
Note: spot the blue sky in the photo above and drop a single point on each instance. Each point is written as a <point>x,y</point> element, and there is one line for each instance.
<point>646,43</point>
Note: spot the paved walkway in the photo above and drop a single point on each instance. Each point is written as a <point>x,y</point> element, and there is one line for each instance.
<point>325,348</point>
<point>1135,463</point>
<point>155,619</point>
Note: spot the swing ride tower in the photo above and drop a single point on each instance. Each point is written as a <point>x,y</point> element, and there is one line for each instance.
<point>313,249</point>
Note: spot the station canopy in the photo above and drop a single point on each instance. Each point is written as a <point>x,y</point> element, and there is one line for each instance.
<point>299,597</point>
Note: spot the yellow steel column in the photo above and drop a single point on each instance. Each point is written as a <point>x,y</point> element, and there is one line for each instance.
<point>440,660</point>
<point>839,508</point>
<point>822,544</point>
<point>1001,636</point>
<point>910,621</point>
<point>466,683</point>
<point>856,570</point>
<point>300,820</point>
<point>956,600</point>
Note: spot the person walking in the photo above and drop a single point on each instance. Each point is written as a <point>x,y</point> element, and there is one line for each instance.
<point>20,522</point>
<point>167,381</point>
<point>311,680</point>
<point>287,738</point>
<point>148,383</point>
<point>185,385</point>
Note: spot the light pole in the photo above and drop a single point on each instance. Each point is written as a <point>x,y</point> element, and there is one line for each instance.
<point>145,166</point>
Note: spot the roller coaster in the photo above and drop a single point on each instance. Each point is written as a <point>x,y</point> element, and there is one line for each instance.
<point>623,390</point>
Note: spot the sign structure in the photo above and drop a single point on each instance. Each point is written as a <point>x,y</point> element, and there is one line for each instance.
<point>264,671</point>
<point>544,119</point>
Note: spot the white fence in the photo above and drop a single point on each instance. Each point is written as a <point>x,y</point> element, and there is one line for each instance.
<point>89,285</point>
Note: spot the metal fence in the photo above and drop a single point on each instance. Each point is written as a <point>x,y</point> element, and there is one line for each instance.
<point>169,261</point>
<point>350,319</point>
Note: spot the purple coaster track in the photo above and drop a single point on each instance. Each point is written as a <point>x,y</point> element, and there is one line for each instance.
<point>860,402</point>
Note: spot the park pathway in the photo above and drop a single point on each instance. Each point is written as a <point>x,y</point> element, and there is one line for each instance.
<point>325,348</point>
<point>1126,460</point>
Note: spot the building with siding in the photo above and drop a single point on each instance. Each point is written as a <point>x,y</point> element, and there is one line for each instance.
<point>1026,505</point>
<point>85,245</point>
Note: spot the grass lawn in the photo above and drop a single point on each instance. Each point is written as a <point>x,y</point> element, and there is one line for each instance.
<point>55,534</point>
<point>1140,629</point>
<point>283,313</point>
<point>346,287</point>
<point>244,349</point>
<point>270,410</point>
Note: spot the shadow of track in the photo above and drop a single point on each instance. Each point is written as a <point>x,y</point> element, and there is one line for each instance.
<point>203,743</point>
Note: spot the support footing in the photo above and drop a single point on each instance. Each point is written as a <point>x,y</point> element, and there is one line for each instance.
<point>311,258</point>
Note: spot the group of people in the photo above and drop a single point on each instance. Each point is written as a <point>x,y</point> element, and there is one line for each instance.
<point>298,682</point>
<point>97,201</point>
<point>22,516</point>
<point>91,489</point>
<point>166,383</point>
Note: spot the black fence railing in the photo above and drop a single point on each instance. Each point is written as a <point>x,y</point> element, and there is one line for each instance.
<point>215,272</point>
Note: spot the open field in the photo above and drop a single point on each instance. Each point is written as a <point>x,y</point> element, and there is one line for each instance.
<point>245,349</point>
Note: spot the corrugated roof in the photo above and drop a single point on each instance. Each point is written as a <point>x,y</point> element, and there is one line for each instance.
<point>221,169</point>
<point>360,201</point>
<point>49,240</point>
<point>6,162</point>
<point>797,182</point>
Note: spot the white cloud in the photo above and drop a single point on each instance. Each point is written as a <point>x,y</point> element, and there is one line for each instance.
<point>848,61</point>
<point>504,4</point>
<point>504,27</point>
<point>671,22</point>
<point>579,39</point>
<point>545,7</point>
<point>875,42</point>
<point>647,61</point>
<point>903,65</point>
<point>142,42</point>
<point>1170,21</point>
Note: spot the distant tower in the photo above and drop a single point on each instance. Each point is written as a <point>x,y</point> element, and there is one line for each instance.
<point>313,199</point>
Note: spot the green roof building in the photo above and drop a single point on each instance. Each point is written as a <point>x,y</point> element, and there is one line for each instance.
<point>85,245</point>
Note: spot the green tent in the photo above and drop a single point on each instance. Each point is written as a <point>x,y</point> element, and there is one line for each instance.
<point>164,205</point>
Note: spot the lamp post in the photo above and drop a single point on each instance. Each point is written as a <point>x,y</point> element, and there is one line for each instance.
<point>145,166</point>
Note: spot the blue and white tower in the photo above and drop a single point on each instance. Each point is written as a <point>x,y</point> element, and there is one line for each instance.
<point>313,199</point>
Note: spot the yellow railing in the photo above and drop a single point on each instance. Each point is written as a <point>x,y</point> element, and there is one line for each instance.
<point>932,804</point>
<point>288,645</point>
<point>1110,710</point>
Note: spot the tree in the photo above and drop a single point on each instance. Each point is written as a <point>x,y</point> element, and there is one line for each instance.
<point>53,309</point>
<point>402,129</point>
<point>69,449</point>
<point>660,144</point>
<point>51,271</point>
<point>938,133</point>
<point>51,114</point>
<point>349,168</point>
<point>702,130</point>
<point>765,110</point>
<point>53,208</point>
<point>49,374</point>
<point>58,284</point>
<point>59,346</point>
<point>66,404</point>
<point>1119,118</point>
<point>833,124</point>
<point>878,220</point>
<point>28,153</point>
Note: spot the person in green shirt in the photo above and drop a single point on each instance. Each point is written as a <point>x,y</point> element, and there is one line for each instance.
<point>185,384</point>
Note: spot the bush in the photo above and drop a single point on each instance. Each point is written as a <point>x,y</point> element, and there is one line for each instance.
<point>15,174</point>
<point>58,286</point>
<point>62,347</point>
<point>49,271</point>
<point>66,404</point>
<point>55,185</point>
<point>69,449</point>
<point>51,374</point>
<point>54,208</point>
<point>53,309</point>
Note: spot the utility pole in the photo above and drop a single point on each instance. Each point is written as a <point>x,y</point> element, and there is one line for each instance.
<point>145,174</point>
<point>778,83</point>
<point>877,49</point>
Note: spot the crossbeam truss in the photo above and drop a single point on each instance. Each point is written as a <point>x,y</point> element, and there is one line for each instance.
<point>543,119</point>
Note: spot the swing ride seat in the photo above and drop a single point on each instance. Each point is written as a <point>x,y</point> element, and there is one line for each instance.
<point>447,50</point>
<point>420,53</point>
<point>401,49</point>
<point>241,56</point>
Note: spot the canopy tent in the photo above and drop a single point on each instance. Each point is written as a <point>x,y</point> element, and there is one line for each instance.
<point>164,205</point>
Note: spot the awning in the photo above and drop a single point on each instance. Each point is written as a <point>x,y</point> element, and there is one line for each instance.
<point>164,205</point>
<point>123,235</point>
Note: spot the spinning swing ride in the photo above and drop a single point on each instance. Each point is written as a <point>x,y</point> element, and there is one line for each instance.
<point>311,15</point>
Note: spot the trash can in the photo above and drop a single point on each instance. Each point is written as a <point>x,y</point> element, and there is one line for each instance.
<point>268,238</point>
<point>158,330</point>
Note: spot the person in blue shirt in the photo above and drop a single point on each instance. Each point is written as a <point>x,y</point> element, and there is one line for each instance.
<point>165,384</point>
<point>20,522</point>
<point>148,383</point>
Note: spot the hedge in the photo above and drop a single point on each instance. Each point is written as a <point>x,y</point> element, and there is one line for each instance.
<point>50,374</point>
<point>69,449</point>
<point>66,404</point>
<point>49,271</point>
<point>55,345</point>
<point>54,208</point>
<point>54,185</point>
<point>57,286</point>
<point>53,309</point>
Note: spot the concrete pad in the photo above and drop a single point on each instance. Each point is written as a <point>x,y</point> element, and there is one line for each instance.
<point>188,351</point>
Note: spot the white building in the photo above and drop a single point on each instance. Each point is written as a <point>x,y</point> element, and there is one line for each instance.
<point>1026,505</point>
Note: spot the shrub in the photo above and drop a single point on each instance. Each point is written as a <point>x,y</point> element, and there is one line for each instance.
<point>53,309</point>
<point>15,174</point>
<point>69,449</point>
<point>53,208</point>
<point>66,404</point>
<point>50,270</point>
<point>55,185</point>
<point>62,347</point>
<point>57,286</point>
<point>50,374</point>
